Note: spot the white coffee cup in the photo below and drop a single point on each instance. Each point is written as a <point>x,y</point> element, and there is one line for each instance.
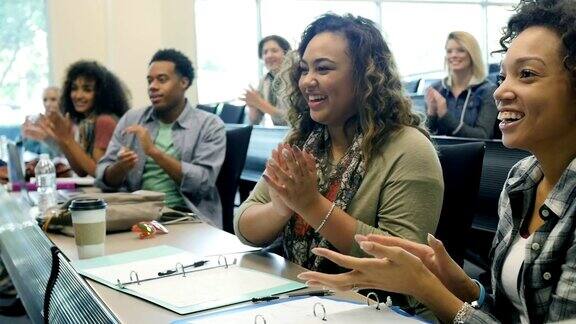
<point>89,221</point>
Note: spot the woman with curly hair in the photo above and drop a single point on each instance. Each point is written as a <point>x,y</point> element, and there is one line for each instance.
<point>462,104</point>
<point>93,99</point>
<point>534,250</point>
<point>356,160</point>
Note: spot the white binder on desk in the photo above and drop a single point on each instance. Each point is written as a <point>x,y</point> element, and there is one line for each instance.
<point>308,310</point>
<point>181,281</point>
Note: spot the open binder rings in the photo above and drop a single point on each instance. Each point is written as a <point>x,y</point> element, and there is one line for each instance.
<point>181,281</point>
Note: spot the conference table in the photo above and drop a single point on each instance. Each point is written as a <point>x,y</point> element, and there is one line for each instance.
<point>198,238</point>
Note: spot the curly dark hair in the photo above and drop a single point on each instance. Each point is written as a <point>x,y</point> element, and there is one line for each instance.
<point>382,103</point>
<point>110,93</point>
<point>556,15</point>
<point>281,41</point>
<point>182,64</point>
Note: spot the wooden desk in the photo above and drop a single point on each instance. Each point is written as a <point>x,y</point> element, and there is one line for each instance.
<point>196,238</point>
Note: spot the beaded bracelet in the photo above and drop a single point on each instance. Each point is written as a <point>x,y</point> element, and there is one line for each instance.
<point>463,314</point>
<point>326,217</point>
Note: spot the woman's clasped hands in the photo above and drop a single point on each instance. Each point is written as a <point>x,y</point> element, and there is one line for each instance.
<point>436,103</point>
<point>291,178</point>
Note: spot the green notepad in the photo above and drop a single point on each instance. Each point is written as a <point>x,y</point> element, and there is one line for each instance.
<point>217,283</point>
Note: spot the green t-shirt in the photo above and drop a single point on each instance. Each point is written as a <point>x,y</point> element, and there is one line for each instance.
<point>154,177</point>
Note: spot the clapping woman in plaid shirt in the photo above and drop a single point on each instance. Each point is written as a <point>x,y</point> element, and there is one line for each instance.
<point>534,251</point>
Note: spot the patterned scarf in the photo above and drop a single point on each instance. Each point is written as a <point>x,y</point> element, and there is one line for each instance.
<point>338,184</point>
<point>271,95</point>
<point>86,134</point>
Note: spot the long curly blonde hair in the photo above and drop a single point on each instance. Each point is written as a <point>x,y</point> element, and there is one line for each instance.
<point>382,103</point>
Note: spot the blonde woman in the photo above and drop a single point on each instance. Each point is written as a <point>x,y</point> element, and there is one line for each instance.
<point>462,104</point>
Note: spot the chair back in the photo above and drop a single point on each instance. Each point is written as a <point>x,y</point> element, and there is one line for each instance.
<point>418,103</point>
<point>411,86</point>
<point>207,108</point>
<point>462,169</point>
<point>232,114</point>
<point>237,140</point>
<point>68,299</point>
<point>428,83</point>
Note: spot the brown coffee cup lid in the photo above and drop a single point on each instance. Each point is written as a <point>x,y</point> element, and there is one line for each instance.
<point>87,204</point>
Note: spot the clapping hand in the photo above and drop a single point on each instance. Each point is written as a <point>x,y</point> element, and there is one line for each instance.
<point>392,269</point>
<point>291,173</point>
<point>431,106</point>
<point>252,98</point>
<point>58,127</point>
<point>32,129</point>
<point>277,202</point>
<point>143,137</point>
<point>398,266</point>
<point>127,159</point>
<point>436,103</point>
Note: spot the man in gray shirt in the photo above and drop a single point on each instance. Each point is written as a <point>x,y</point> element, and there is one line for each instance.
<point>169,146</point>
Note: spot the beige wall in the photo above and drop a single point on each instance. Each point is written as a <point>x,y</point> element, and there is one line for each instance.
<point>121,34</point>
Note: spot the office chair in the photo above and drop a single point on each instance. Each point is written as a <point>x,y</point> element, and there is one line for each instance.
<point>418,103</point>
<point>237,141</point>
<point>411,86</point>
<point>232,114</point>
<point>461,168</point>
<point>207,108</point>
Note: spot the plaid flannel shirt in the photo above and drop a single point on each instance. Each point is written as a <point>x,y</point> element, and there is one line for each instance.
<point>548,278</point>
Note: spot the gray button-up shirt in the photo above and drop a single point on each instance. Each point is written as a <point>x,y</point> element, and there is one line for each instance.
<point>200,137</point>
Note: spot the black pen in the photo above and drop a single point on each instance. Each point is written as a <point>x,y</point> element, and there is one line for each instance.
<point>300,294</point>
<point>193,265</point>
<point>312,293</point>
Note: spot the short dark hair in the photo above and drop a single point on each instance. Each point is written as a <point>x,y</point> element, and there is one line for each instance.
<point>281,41</point>
<point>182,64</point>
<point>556,15</point>
<point>110,93</point>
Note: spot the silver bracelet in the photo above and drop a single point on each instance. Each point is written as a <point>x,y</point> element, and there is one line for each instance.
<point>326,217</point>
<point>463,314</point>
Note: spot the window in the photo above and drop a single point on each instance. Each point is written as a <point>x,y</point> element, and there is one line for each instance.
<point>416,32</point>
<point>289,18</point>
<point>497,18</point>
<point>227,49</point>
<point>23,59</point>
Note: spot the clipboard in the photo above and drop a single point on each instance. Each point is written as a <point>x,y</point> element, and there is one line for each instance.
<point>185,289</point>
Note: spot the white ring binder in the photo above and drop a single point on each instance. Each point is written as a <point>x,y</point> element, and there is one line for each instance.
<point>259,317</point>
<point>136,275</point>
<point>323,310</point>
<point>180,270</point>
<point>225,261</point>
<point>375,297</point>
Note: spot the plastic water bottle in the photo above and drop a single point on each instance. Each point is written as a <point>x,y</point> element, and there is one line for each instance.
<point>45,173</point>
<point>3,149</point>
